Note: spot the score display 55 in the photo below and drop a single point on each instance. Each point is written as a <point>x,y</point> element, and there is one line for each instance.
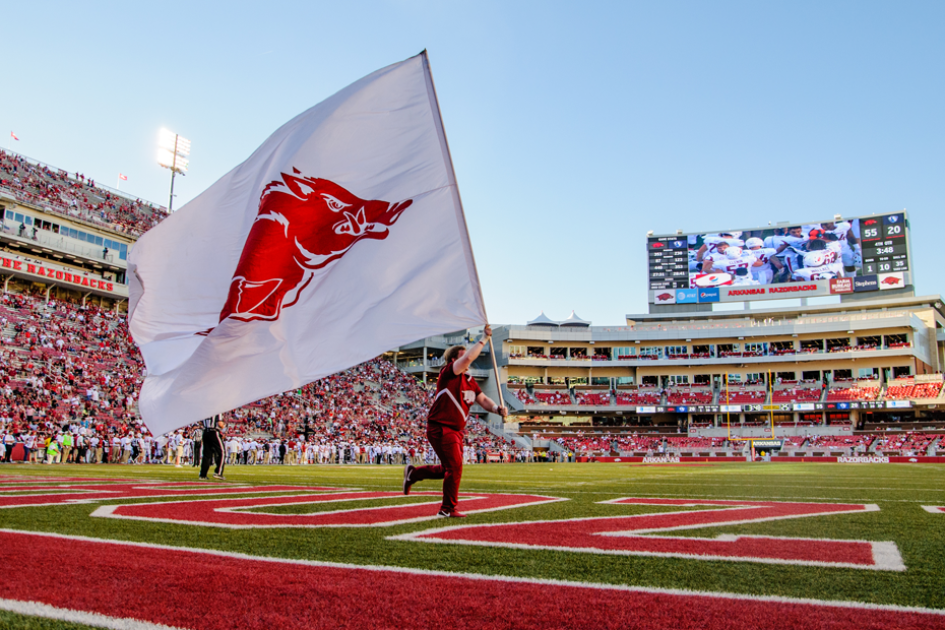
<point>884,246</point>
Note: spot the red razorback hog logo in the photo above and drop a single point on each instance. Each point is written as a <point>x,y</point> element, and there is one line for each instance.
<point>303,224</point>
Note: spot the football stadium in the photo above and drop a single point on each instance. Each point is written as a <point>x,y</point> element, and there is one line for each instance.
<point>773,463</point>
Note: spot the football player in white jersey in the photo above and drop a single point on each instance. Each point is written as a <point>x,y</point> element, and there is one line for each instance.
<point>766,262</point>
<point>711,242</point>
<point>818,263</point>
<point>848,242</point>
<point>742,276</point>
<point>787,246</point>
<point>728,260</point>
<point>835,254</point>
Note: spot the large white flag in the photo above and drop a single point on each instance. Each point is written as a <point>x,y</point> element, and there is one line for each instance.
<point>341,237</point>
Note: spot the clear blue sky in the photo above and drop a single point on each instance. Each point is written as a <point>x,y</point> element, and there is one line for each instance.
<point>574,127</point>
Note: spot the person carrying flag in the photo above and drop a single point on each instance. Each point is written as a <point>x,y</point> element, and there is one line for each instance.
<point>456,391</point>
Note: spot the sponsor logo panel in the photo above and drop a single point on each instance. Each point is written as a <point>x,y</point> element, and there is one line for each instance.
<point>687,296</point>
<point>891,281</point>
<point>865,283</point>
<point>841,285</point>
<point>708,295</point>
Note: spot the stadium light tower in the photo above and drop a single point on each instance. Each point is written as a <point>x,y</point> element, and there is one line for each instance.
<point>173,153</point>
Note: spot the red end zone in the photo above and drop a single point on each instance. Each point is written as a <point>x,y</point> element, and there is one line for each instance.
<point>263,593</point>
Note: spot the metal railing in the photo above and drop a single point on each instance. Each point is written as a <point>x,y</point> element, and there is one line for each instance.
<point>44,238</point>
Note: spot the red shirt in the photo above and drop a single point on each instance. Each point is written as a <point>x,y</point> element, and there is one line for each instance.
<point>455,394</point>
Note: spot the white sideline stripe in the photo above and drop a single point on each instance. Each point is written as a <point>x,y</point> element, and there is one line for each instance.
<point>96,620</point>
<point>886,556</point>
<point>934,509</point>
<point>108,511</point>
<point>773,599</point>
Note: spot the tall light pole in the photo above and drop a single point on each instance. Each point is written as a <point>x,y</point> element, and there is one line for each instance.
<point>173,151</point>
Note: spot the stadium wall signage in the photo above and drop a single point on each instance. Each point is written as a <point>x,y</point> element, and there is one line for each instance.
<point>863,460</point>
<point>64,277</point>
<point>834,286</point>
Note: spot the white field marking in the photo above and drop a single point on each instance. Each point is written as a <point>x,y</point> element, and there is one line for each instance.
<point>754,485</point>
<point>934,509</point>
<point>108,511</point>
<point>774,599</point>
<point>96,620</point>
<point>886,556</point>
<point>792,497</point>
<point>869,507</point>
<point>79,501</point>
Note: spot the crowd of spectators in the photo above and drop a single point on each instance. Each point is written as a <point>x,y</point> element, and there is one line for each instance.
<point>75,195</point>
<point>69,375</point>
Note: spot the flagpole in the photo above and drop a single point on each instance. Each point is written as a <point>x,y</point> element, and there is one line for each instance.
<point>462,215</point>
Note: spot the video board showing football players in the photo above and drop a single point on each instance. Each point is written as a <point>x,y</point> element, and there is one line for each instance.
<point>796,253</point>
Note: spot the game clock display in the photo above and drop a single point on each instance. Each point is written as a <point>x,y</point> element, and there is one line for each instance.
<point>884,244</point>
<point>668,263</point>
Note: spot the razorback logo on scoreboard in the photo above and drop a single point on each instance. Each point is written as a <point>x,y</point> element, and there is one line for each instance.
<point>646,535</point>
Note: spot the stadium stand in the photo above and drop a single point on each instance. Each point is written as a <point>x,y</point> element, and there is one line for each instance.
<point>839,443</point>
<point>858,391</point>
<point>786,394</point>
<point>642,396</point>
<point>75,196</point>
<point>592,398</point>
<point>908,443</point>
<point>743,395</point>
<point>689,396</point>
<point>908,389</point>
<point>694,443</point>
<point>522,394</point>
<point>553,397</point>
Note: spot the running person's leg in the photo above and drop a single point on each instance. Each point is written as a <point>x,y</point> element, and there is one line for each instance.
<point>448,446</point>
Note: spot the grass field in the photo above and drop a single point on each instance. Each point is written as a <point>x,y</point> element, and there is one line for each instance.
<point>543,551</point>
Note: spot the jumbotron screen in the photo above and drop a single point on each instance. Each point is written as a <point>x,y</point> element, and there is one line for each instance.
<point>869,253</point>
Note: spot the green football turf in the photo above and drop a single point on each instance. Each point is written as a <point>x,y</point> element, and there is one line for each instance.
<point>899,490</point>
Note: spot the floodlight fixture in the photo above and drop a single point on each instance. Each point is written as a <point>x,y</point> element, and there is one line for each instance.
<point>173,153</point>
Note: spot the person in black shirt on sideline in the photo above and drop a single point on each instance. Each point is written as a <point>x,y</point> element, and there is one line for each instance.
<point>213,451</point>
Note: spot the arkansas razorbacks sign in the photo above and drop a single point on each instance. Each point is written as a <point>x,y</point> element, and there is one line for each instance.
<point>303,224</point>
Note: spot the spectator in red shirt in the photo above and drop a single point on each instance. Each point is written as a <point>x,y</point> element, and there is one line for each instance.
<point>456,391</point>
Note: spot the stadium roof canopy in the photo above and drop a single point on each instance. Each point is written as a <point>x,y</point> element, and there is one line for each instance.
<point>542,320</point>
<point>574,321</point>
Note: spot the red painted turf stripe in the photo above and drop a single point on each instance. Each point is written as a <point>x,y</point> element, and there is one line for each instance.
<point>85,493</point>
<point>49,480</point>
<point>635,533</point>
<point>206,591</point>
<point>217,512</point>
